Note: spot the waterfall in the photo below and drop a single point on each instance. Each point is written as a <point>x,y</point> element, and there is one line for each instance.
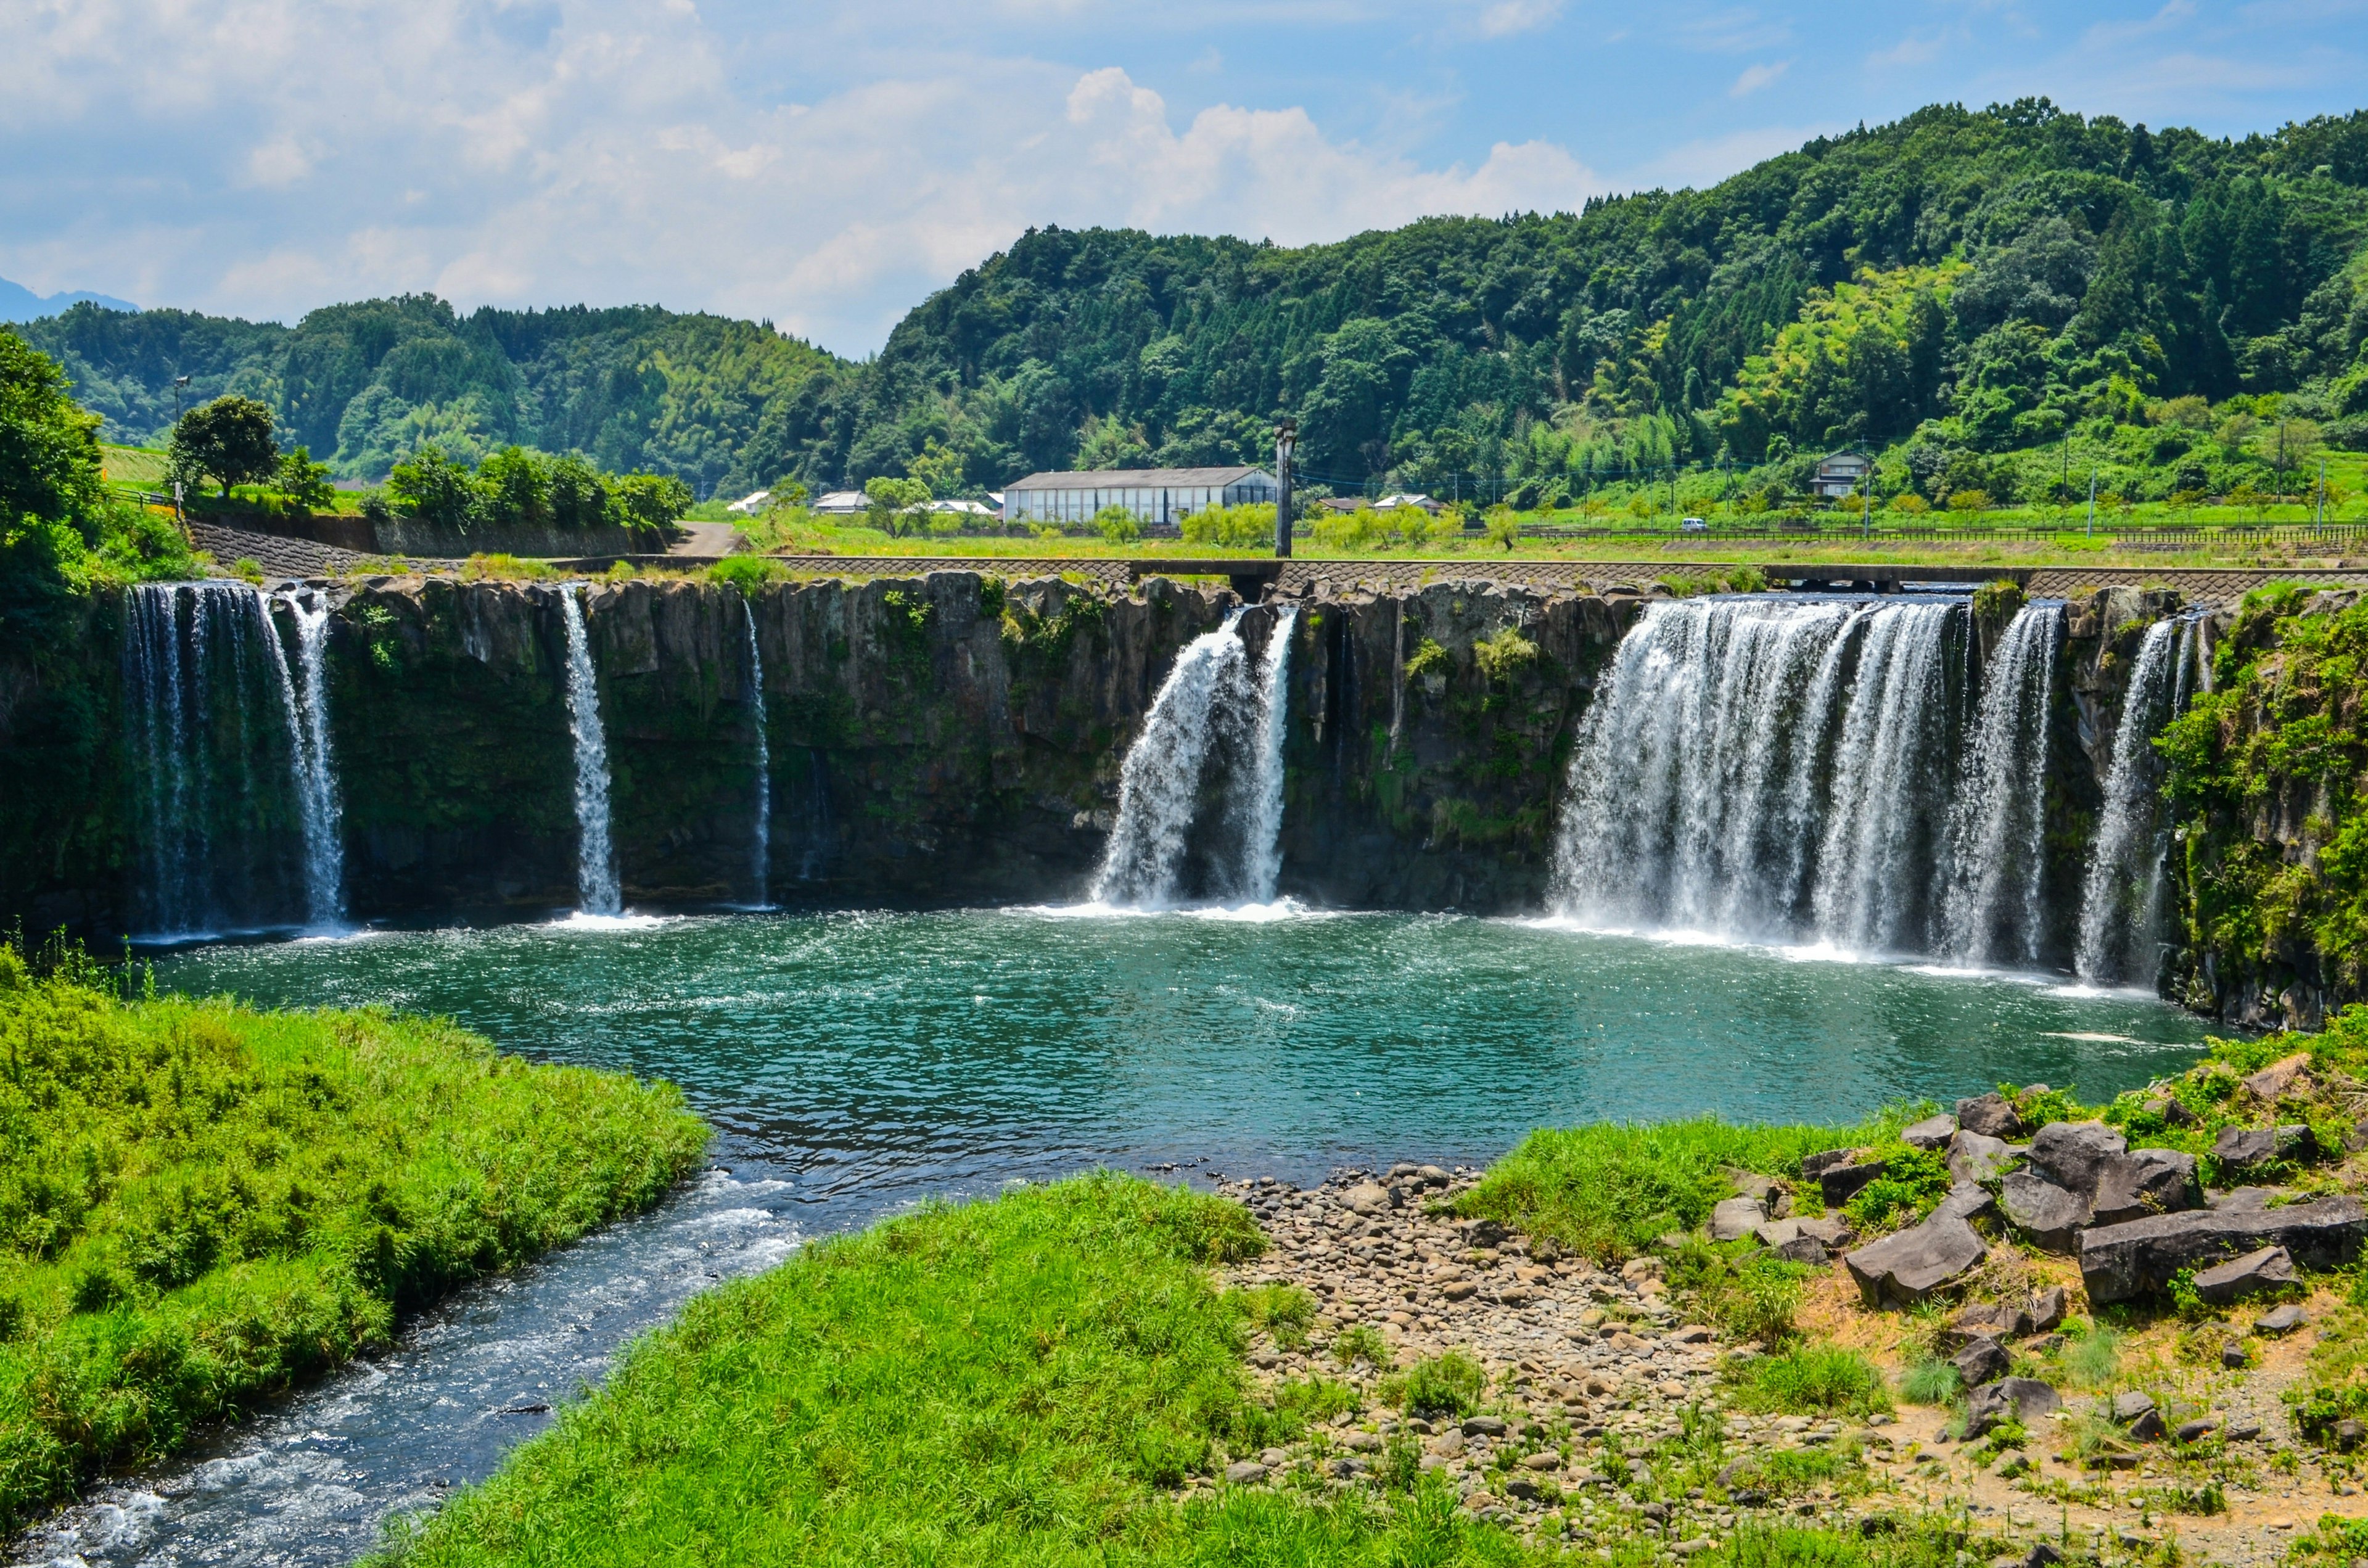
<point>2120,898</point>
<point>764,834</point>
<point>595,860</point>
<point>1159,783</point>
<point>1262,844</point>
<point>306,699</point>
<point>1992,909</point>
<point>208,706</point>
<point>1763,768</point>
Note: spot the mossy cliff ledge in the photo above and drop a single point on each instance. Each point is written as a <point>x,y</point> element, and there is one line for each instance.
<point>946,739</point>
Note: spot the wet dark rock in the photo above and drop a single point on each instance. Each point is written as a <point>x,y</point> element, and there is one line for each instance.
<point>1908,1266</point>
<point>2121,1262</point>
<point>2024,1401</point>
<point>2270,1268</point>
<point>1991,1115</point>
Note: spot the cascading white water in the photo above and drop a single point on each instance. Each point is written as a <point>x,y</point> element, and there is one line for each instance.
<point>1262,844</point>
<point>595,860</point>
<point>1159,783</point>
<point>2119,898</point>
<point>763,837</point>
<point>1992,909</point>
<point>207,697</point>
<point>312,767</point>
<point>1763,769</point>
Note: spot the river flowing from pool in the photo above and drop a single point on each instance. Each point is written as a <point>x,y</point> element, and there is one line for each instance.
<point>852,1064</point>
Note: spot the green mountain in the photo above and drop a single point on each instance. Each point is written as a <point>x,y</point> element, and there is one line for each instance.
<point>1953,285</point>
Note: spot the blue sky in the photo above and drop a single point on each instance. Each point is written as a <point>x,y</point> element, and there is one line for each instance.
<point>823,165</point>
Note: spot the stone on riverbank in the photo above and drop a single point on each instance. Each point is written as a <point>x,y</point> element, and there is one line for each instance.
<point>2120,1262</point>
<point>2271,1269</point>
<point>1908,1266</point>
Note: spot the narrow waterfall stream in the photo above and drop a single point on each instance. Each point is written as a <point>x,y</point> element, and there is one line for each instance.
<point>1204,777</point>
<point>213,724</point>
<point>2120,902</point>
<point>595,860</point>
<point>1992,912</point>
<point>762,838</point>
<point>306,700</point>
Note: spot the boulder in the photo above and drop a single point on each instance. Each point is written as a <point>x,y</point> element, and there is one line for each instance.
<point>1830,1229</point>
<point>1841,1182</point>
<point>2270,1268</point>
<point>2280,1320</point>
<point>1803,1249</point>
<point>2121,1262</point>
<point>2142,1182</point>
<point>1735,1219</point>
<point>2169,1109</point>
<point>1965,1201</point>
<point>1245,1473</point>
<point>2242,1148</point>
<point>2045,1213</point>
<point>1817,1165</point>
<point>1991,1115</point>
<point>1908,1266</point>
<point>1985,1319</point>
<point>1981,1361</point>
<point>2073,1154</point>
<point>1751,1184</point>
<point>2245,1200</point>
<point>2280,1078</point>
<point>1932,1132</point>
<point>2024,1401</point>
<point>2047,1309</point>
<point>1366,1197</point>
<point>1973,1157</point>
<point>2135,1413</point>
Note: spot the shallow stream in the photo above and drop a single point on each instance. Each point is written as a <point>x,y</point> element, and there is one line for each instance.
<point>852,1064</point>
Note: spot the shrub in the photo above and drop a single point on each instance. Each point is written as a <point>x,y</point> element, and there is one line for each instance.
<point>1811,1380</point>
<point>1450,1384</point>
<point>1501,656</point>
<point>1286,1312</point>
<point>1361,1341</point>
<point>1752,1297</point>
<point>748,573</point>
<point>1930,1380</point>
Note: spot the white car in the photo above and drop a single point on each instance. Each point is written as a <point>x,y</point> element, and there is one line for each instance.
<point>1694,525</point>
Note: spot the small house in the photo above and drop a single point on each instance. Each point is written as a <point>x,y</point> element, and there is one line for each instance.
<point>1841,473</point>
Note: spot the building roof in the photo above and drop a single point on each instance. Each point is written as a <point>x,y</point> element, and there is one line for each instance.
<point>1139,479</point>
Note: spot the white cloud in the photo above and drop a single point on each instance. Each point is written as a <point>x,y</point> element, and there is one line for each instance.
<point>1506,18</point>
<point>599,150</point>
<point>1755,77</point>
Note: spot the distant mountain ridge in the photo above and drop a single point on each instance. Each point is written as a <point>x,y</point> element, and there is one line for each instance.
<point>1952,285</point>
<point>19,303</point>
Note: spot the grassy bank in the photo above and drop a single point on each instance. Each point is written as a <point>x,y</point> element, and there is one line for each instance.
<point>201,1205</point>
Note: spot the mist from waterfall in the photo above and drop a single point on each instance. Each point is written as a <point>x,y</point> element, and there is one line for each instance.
<point>596,890</point>
<point>763,837</point>
<point>2121,905</point>
<point>1200,807</point>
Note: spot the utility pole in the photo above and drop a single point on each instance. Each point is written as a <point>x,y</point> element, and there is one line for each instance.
<point>1866,502</point>
<point>1286,435</point>
<point>178,382</point>
<point>2092,503</point>
<point>2318,515</point>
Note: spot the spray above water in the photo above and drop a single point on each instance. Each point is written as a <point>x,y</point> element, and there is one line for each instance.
<point>596,863</point>
<point>1215,727</point>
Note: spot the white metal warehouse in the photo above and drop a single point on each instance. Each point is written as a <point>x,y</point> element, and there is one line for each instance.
<point>1153,495</point>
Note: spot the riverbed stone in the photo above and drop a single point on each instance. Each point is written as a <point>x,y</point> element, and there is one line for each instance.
<point>2044,1211</point>
<point>1737,1218</point>
<point>1932,1132</point>
<point>1980,1361</point>
<point>1907,1266</point>
<point>1368,1197</point>
<point>1991,1116</point>
<point>2119,1263</point>
<point>2270,1268</point>
<point>2024,1401</point>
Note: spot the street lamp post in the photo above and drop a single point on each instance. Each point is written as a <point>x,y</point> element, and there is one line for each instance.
<point>178,383</point>
<point>1286,437</point>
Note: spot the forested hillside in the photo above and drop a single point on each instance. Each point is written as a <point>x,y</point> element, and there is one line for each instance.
<point>364,385</point>
<point>1952,287</point>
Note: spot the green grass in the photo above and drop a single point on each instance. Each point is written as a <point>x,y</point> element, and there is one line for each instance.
<point>1015,1382</point>
<point>202,1205</point>
<point>1608,1190</point>
<point>1811,1380</point>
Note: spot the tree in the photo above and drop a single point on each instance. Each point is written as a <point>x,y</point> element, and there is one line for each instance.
<point>303,480</point>
<point>579,496</point>
<point>1118,525</point>
<point>1504,529</point>
<point>896,502</point>
<point>48,448</point>
<point>432,487</point>
<point>514,488</point>
<point>650,500</point>
<point>228,440</point>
